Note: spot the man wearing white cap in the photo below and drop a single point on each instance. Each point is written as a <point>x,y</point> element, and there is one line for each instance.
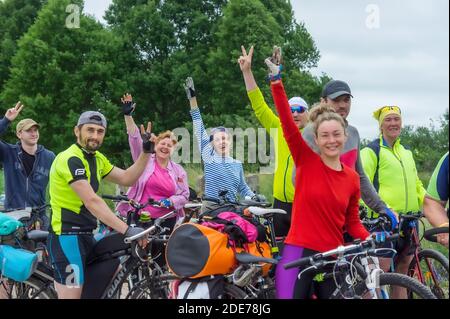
<point>283,188</point>
<point>26,165</point>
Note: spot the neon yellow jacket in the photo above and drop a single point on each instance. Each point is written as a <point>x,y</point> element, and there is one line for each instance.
<point>398,184</point>
<point>283,189</point>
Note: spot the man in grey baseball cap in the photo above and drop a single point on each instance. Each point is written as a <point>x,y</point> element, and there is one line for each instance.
<point>338,95</point>
<point>90,130</point>
<point>76,177</point>
<point>335,89</point>
<point>92,117</point>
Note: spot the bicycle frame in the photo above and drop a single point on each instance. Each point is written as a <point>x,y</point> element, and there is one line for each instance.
<point>417,269</point>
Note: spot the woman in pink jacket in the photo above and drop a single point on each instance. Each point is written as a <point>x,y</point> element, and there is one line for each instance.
<point>163,180</point>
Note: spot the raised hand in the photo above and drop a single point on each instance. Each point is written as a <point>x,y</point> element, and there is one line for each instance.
<point>276,55</point>
<point>148,139</point>
<point>12,113</point>
<point>245,60</point>
<point>127,104</point>
<point>189,87</point>
<point>274,64</point>
<point>274,70</point>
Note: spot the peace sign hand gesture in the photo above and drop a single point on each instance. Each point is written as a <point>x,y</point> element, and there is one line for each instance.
<point>245,60</point>
<point>148,139</point>
<point>12,113</point>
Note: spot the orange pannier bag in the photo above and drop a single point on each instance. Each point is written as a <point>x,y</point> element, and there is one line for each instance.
<point>195,251</point>
<point>260,249</point>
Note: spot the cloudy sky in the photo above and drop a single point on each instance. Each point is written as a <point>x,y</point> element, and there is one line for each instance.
<point>391,52</point>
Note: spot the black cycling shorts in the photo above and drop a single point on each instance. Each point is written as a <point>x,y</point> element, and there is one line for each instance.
<point>68,254</point>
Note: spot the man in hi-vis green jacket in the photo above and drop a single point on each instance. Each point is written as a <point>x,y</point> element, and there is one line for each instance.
<point>392,169</point>
<point>283,189</point>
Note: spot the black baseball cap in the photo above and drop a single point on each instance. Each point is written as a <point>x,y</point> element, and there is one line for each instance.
<point>335,89</point>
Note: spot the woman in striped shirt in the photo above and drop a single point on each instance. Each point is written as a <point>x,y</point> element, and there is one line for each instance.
<point>222,172</point>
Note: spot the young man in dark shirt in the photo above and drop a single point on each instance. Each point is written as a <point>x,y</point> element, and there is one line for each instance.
<point>26,165</point>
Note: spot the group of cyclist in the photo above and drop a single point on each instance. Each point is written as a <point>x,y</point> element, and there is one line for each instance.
<point>319,180</point>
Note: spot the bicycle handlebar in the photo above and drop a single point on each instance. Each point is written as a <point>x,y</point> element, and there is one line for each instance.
<point>119,198</point>
<point>430,234</point>
<point>116,197</point>
<point>411,216</point>
<point>341,251</point>
<point>151,230</point>
<point>245,202</point>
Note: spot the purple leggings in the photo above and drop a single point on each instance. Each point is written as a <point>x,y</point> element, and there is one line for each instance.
<point>285,279</point>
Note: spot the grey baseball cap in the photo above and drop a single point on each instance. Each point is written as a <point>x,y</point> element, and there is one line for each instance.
<point>335,89</point>
<point>92,117</point>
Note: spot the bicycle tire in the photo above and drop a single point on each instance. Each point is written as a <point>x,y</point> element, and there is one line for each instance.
<point>389,281</point>
<point>21,290</point>
<point>431,234</point>
<point>154,287</point>
<point>233,292</point>
<point>404,281</point>
<point>441,287</point>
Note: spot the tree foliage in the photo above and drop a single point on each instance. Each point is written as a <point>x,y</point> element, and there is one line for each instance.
<point>59,72</point>
<point>148,48</point>
<point>16,16</point>
<point>428,144</point>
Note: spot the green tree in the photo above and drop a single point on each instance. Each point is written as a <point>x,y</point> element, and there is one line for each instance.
<point>427,143</point>
<point>59,71</point>
<point>167,41</point>
<point>262,24</point>
<point>16,16</point>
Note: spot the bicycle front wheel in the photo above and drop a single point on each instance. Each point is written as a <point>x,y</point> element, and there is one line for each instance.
<point>233,292</point>
<point>432,271</point>
<point>154,287</point>
<point>33,288</point>
<point>391,282</point>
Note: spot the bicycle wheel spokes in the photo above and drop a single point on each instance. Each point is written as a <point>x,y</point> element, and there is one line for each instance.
<point>156,286</point>
<point>30,289</point>
<point>435,276</point>
<point>432,271</point>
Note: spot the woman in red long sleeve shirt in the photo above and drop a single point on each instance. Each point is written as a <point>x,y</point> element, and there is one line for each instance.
<point>326,197</point>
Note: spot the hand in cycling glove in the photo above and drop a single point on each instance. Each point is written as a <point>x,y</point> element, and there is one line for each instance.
<point>148,139</point>
<point>127,105</point>
<point>189,87</point>
<point>393,218</point>
<point>166,203</point>
<point>132,231</point>
<point>259,198</point>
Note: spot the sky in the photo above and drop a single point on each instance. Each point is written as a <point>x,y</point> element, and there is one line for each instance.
<point>390,52</point>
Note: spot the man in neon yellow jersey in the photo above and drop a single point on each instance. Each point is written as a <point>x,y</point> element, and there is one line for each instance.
<point>391,168</point>
<point>283,189</point>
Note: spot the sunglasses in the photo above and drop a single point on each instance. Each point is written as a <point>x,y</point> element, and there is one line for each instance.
<point>298,109</point>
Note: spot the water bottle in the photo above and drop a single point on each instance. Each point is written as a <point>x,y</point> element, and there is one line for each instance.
<point>145,219</point>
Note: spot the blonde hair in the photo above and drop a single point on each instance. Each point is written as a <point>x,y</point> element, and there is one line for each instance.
<point>322,112</point>
<point>164,135</point>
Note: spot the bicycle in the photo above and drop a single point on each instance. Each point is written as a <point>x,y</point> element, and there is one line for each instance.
<point>431,266</point>
<point>356,273</point>
<point>29,216</point>
<point>428,266</point>
<point>114,259</point>
<point>40,283</point>
<point>249,280</point>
